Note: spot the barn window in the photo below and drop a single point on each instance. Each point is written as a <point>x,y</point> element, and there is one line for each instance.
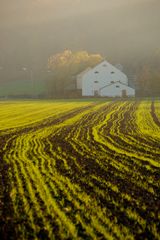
<point>95,81</point>
<point>117,86</point>
<point>112,72</point>
<point>96,72</point>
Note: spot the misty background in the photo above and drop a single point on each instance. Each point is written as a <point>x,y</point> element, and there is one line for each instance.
<point>122,31</point>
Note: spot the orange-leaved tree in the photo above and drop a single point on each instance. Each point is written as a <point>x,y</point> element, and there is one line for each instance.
<point>66,65</point>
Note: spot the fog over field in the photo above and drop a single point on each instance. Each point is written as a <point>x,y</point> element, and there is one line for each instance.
<point>79,119</point>
<point>121,30</point>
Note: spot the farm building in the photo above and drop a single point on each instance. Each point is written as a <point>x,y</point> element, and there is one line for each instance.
<point>104,80</point>
<point>79,78</point>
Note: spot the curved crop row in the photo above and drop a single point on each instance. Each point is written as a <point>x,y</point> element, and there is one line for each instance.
<point>81,171</point>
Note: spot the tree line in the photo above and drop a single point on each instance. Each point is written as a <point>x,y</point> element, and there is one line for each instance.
<point>66,65</point>
<point>148,77</point>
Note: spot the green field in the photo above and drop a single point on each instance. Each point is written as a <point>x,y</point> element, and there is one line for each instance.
<point>23,88</point>
<point>80,170</point>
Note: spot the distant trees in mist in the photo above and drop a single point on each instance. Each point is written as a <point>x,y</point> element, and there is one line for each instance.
<point>59,80</point>
<point>148,78</point>
<point>65,66</point>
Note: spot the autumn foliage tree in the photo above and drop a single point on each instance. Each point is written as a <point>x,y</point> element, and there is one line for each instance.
<point>65,66</point>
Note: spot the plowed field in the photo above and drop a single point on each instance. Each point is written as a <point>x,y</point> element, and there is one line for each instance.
<point>80,170</point>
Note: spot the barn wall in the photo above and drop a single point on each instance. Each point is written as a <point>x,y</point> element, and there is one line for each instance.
<point>80,78</point>
<point>87,87</point>
<point>98,77</point>
<point>105,73</point>
<point>113,91</point>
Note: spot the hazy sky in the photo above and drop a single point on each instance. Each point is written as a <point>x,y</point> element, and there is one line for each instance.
<point>118,29</point>
<point>36,11</point>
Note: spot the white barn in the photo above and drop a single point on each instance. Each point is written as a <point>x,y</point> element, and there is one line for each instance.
<point>80,76</point>
<point>104,80</point>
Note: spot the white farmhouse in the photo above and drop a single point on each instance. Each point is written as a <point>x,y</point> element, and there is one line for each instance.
<point>104,80</point>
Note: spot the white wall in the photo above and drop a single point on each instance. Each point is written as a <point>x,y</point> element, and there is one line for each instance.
<point>80,77</point>
<point>100,76</point>
<point>114,91</point>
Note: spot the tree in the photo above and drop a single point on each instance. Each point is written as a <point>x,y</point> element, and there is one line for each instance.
<point>149,77</point>
<point>144,80</point>
<point>66,65</point>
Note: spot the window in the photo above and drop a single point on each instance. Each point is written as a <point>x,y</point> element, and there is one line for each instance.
<point>96,72</point>
<point>112,81</point>
<point>95,81</point>
<point>117,86</point>
<point>112,72</point>
<point>104,65</point>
